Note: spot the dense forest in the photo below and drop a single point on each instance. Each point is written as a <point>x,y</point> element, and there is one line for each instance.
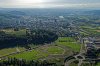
<point>33,36</point>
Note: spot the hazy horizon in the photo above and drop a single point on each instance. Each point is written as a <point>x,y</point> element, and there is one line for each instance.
<point>50,4</point>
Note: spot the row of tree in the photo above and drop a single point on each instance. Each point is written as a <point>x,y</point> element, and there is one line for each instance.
<point>35,37</point>
<point>22,62</point>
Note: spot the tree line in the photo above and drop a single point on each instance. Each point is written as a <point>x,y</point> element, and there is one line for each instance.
<point>33,36</point>
<point>22,62</point>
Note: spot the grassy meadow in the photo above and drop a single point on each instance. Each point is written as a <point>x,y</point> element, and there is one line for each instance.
<point>69,42</point>
<point>20,32</point>
<point>56,48</point>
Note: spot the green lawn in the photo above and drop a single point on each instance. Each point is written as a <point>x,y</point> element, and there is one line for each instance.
<point>69,42</point>
<point>32,55</point>
<point>98,64</point>
<point>73,64</point>
<point>40,52</point>
<point>83,33</point>
<point>55,50</point>
<point>7,51</point>
<point>91,30</point>
<point>65,39</point>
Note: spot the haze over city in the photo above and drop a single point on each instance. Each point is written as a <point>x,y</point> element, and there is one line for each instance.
<point>49,3</point>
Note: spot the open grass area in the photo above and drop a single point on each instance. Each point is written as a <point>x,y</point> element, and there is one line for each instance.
<point>66,39</point>
<point>61,47</point>
<point>31,55</point>
<point>21,48</point>
<point>74,46</point>
<point>69,42</point>
<point>55,50</point>
<point>91,30</point>
<point>7,51</point>
<point>98,64</point>
<point>20,32</point>
<point>84,34</point>
<point>73,64</point>
<point>41,53</point>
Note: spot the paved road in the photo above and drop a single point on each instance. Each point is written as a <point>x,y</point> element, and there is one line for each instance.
<point>80,54</point>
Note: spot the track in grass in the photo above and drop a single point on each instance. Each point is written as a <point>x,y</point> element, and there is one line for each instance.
<point>59,48</point>
<point>31,55</point>
<point>55,50</point>
<point>7,51</point>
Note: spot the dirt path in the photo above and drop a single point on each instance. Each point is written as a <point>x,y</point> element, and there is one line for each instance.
<point>17,49</point>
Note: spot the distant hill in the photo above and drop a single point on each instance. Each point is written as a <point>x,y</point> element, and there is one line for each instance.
<point>11,14</point>
<point>54,12</point>
<point>7,15</point>
<point>16,13</point>
<point>92,12</point>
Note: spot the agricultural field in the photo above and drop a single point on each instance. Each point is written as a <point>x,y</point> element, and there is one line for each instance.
<point>40,52</point>
<point>60,48</point>
<point>6,51</point>
<point>91,30</point>
<point>31,55</point>
<point>55,50</point>
<point>20,32</point>
<point>69,42</point>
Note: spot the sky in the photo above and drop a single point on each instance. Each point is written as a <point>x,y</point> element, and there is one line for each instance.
<point>49,3</point>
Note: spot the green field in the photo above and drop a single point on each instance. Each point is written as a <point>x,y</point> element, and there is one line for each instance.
<point>62,47</point>
<point>66,39</point>
<point>73,64</point>
<point>7,51</point>
<point>39,53</point>
<point>91,30</point>
<point>69,42</point>
<point>55,50</point>
<point>31,55</point>
<point>98,64</point>
<point>21,32</point>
